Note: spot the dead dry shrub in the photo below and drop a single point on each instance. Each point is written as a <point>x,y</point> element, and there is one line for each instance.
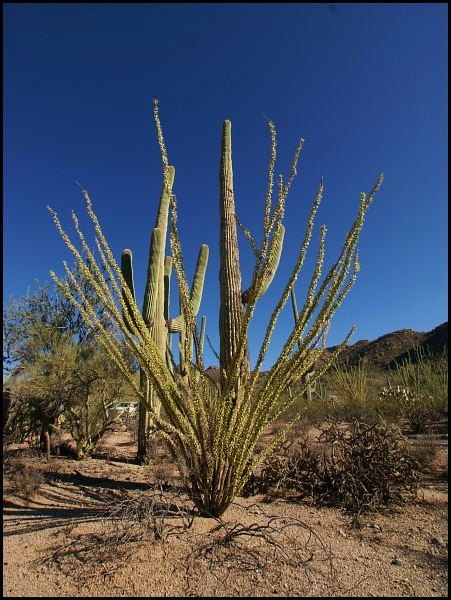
<point>131,519</point>
<point>250,559</point>
<point>24,479</point>
<point>88,556</point>
<point>361,469</point>
<point>154,515</point>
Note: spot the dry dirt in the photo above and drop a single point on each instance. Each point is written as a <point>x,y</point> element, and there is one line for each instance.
<point>59,541</point>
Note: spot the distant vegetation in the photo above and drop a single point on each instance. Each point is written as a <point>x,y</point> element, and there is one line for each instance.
<point>64,395</point>
<point>58,380</point>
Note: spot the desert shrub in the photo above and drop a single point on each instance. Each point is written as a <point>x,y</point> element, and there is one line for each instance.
<point>153,515</point>
<point>130,420</point>
<point>292,466</point>
<point>352,391</point>
<point>397,401</point>
<point>313,409</point>
<point>360,469</point>
<point>425,450</point>
<point>344,392</point>
<point>417,390</point>
<point>24,479</point>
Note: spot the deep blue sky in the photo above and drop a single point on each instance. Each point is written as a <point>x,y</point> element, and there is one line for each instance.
<point>364,84</point>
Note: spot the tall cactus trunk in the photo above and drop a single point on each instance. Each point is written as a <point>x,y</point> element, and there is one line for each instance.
<point>231,309</point>
<point>154,309</point>
<point>143,419</point>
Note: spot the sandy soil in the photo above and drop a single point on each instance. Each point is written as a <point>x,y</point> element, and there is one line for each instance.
<point>60,542</point>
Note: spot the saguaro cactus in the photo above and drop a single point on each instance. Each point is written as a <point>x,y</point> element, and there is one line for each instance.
<point>232,297</point>
<point>231,310</point>
<point>155,310</point>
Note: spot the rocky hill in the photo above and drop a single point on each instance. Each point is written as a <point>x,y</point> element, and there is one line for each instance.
<point>396,346</point>
<point>392,347</point>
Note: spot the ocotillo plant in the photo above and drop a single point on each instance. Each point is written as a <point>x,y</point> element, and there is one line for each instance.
<point>214,434</point>
<point>156,302</point>
<point>308,376</point>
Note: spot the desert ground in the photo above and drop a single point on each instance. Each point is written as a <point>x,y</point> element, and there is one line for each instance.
<point>62,538</point>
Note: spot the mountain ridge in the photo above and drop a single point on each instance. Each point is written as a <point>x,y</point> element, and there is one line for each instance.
<point>390,348</point>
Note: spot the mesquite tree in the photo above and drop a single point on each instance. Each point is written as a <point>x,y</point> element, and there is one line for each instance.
<point>55,370</point>
<point>212,431</point>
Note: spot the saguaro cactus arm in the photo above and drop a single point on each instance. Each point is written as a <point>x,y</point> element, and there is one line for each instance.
<point>167,284</point>
<point>273,263</point>
<point>127,272</point>
<point>154,274</point>
<point>154,291</point>
<point>176,324</point>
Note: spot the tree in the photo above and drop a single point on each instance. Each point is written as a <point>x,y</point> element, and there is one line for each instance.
<point>55,369</point>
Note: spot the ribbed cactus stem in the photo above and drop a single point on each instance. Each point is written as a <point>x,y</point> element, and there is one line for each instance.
<point>156,301</point>
<point>154,304</point>
<point>201,341</point>
<point>176,324</point>
<point>159,333</point>
<point>154,274</point>
<point>167,284</point>
<point>199,278</point>
<point>272,261</point>
<point>127,272</point>
<point>231,310</point>
<point>167,295</point>
<point>203,326</point>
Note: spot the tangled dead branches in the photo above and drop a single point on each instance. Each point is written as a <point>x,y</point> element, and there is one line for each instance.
<point>247,559</point>
<point>246,555</point>
<point>361,468</point>
<point>155,516</point>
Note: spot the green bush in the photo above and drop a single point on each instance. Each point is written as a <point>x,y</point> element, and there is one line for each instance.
<point>417,390</point>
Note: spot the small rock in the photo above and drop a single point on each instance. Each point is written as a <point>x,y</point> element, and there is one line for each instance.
<point>342,533</point>
<point>436,541</point>
<point>396,561</point>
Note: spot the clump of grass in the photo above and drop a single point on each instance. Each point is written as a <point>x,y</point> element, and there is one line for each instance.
<point>345,392</point>
<point>417,390</point>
